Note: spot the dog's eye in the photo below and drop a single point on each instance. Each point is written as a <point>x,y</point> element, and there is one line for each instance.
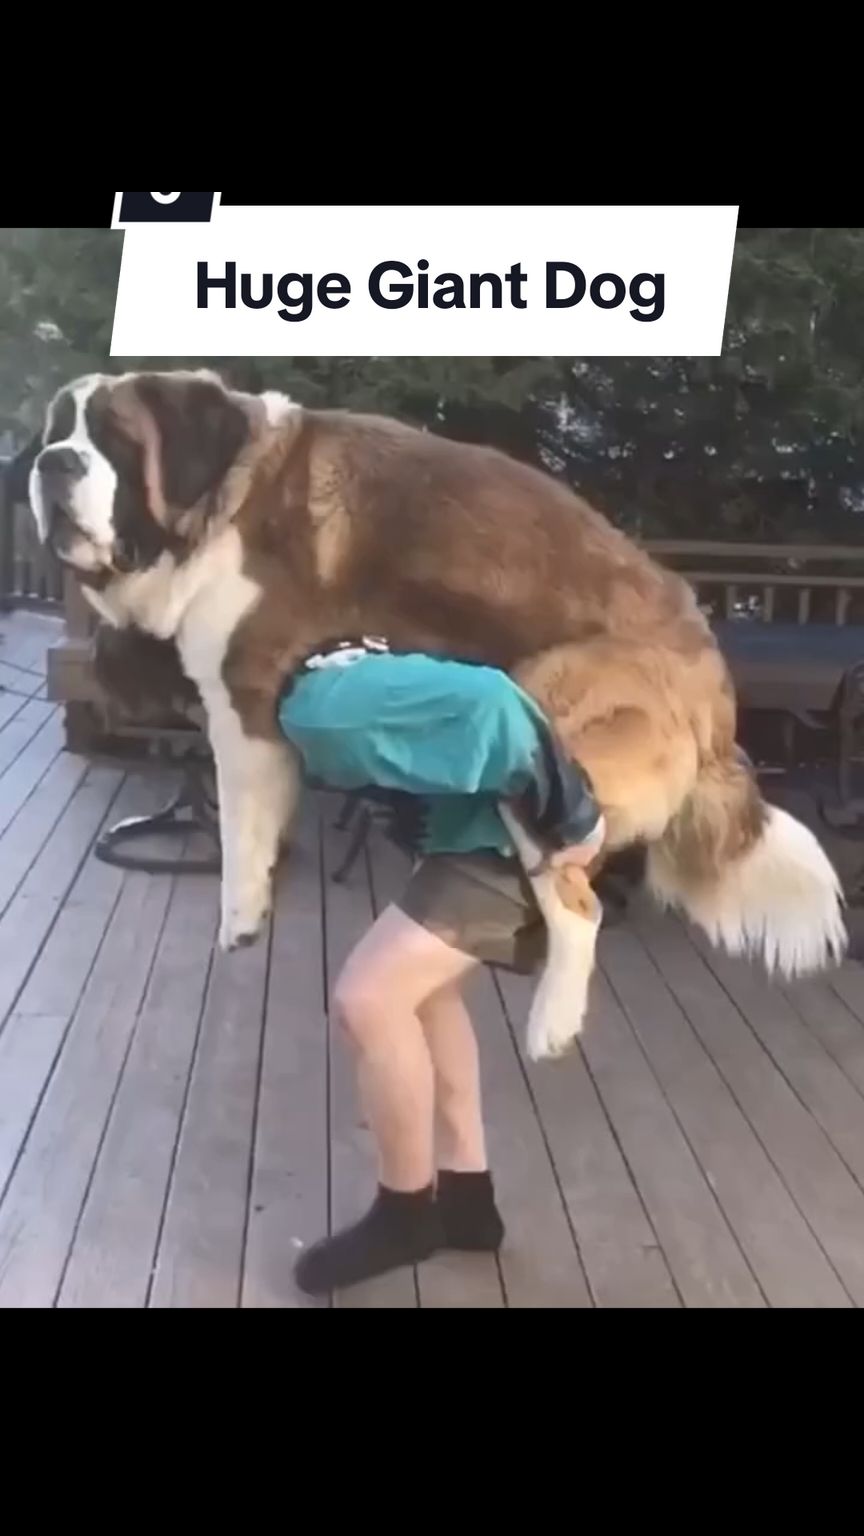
<point>110,438</point>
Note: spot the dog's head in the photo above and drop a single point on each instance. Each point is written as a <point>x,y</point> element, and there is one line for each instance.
<point>135,465</point>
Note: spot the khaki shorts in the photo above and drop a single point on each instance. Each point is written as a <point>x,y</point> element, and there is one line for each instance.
<point>481,903</point>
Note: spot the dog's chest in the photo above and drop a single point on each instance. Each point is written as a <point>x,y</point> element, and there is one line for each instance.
<point>210,621</point>
<point>203,639</point>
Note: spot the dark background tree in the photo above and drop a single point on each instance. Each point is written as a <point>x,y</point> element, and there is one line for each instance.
<point>765,442</point>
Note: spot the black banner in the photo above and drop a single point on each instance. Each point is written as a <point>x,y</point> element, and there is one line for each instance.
<point>46,208</point>
<point>167,207</point>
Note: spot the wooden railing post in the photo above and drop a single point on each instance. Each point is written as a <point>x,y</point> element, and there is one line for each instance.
<point>7,546</point>
<point>70,669</point>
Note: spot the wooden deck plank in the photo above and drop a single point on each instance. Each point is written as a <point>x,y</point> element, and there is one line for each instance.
<point>816,1177</point>
<point>199,1261</point>
<point>34,1034</point>
<point>15,680</point>
<point>848,983</point>
<point>49,932</point>
<point>783,1253</point>
<point>349,913</point>
<point>83,908</point>
<point>699,1245</point>
<point>539,1260</point>
<point>620,1249</point>
<point>289,1196</point>
<point>11,704</point>
<point>27,835</point>
<point>40,1210</point>
<point>21,657</point>
<point>111,1262</point>
<point>834,1025</point>
<point>22,776</point>
<point>30,916</point>
<point>465,1280</point>
<point>820,1084</point>
<point>105,794</point>
<point>26,637</point>
<point>28,1049</point>
<point>19,731</point>
<point>19,725</point>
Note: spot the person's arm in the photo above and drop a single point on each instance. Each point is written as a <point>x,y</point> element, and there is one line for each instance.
<point>559,806</point>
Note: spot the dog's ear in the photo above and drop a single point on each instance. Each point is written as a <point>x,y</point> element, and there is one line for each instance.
<point>201,428</point>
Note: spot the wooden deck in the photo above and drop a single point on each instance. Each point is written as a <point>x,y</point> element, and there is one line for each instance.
<point>174,1123</point>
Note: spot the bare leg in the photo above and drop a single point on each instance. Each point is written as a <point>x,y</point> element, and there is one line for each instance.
<point>458,1100</point>
<point>470,1219</point>
<point>386,981</point>
<point>385,987</point>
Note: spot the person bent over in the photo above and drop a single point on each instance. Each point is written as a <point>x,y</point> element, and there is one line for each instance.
<point>462,758</point>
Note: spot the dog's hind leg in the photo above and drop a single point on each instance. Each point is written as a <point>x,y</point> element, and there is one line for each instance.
<point>619,712</point>
<point>641,770</point>
<point>655,730</point>
<point>633,738</point>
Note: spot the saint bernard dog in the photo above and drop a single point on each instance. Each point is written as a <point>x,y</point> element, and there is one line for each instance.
<point>246,529</point>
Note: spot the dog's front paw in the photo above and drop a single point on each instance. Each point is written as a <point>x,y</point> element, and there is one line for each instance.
<point>243,924</point>
<point>231,938</point>
<point>234,935</point>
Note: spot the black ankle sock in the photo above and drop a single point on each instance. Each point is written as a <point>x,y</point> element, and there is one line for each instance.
<point>398,1229</point>
<point>469,1215</point>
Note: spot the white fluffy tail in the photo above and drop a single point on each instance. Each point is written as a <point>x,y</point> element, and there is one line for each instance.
<point>561,1000</point>
<point>780,903</point>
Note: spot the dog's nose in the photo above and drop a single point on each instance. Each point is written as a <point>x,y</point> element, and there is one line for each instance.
<point>70,463</point>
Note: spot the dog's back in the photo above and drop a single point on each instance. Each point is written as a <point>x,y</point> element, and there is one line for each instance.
<point>436,542</point>
<point>447,534</point>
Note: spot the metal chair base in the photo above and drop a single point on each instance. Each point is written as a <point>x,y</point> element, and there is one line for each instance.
<point>189,811</point>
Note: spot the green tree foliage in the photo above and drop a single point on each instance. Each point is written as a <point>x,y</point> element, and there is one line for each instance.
<point>764,442</point>
<point>57,290</point>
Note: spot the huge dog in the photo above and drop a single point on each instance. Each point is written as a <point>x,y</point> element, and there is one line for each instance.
<point>247,529</point>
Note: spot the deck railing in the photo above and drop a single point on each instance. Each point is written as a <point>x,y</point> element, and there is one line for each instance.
<point>771,583</point>
<point>30,577</point>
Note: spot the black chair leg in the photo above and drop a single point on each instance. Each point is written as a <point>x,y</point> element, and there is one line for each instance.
<point>355,847</point>
<point>350,807</point>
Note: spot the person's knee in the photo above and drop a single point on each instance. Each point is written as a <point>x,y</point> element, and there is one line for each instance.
<point>368,997</point>
<point>391,974</point>
<point>357,1005</point>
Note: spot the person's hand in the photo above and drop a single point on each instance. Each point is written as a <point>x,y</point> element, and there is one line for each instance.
<point>580,854</point>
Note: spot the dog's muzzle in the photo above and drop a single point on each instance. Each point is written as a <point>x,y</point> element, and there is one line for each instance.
<point>59,470</point>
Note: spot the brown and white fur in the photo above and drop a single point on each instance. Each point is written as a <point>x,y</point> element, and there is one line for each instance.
<point>245,529</point>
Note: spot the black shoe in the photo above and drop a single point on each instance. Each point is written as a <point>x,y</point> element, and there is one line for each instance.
<point>398,1229</point>
<point>470,1218</point>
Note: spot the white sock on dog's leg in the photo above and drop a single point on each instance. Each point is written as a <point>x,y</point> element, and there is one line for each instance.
<point>561,1000</point>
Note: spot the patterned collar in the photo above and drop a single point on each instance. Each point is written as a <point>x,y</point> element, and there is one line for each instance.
<point>341,653</point>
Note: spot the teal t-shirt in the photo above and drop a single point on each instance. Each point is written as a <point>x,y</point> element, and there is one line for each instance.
<point>458,735</point>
